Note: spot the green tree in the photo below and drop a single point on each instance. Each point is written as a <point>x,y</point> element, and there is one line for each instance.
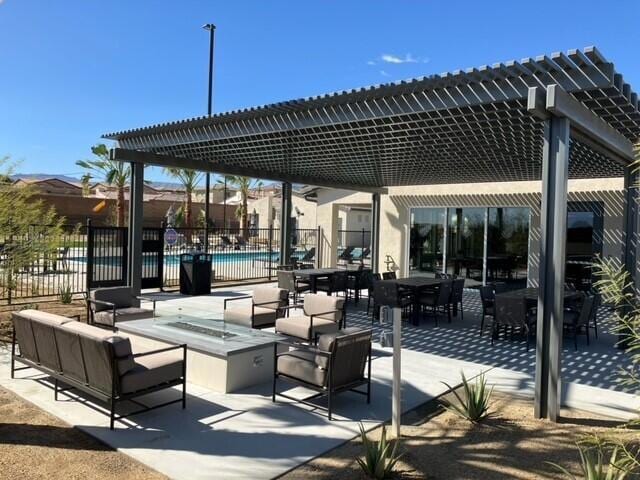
<point>28,229</point>
<point>244,185</point>
<point>113,172</point>
<point>189,180</point>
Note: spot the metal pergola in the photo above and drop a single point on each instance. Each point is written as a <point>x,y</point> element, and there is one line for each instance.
<point>549,118</point>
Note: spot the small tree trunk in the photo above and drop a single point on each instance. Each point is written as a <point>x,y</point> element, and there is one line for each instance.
<point>187,212</point>
<point>120,207</point>
<point>244,218</point>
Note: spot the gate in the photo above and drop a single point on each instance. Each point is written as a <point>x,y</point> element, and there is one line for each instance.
<point>107,249</point>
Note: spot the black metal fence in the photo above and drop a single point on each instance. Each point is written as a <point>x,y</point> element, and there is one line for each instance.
<point>87,255</point>
<point>354,245</point>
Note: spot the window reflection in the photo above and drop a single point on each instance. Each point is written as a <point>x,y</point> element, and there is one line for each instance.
<point>426,241</point>
<point>465,247</point>
<point>508,246</point>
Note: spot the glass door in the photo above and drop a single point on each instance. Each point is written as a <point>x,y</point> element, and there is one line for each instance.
<point>426,241</point>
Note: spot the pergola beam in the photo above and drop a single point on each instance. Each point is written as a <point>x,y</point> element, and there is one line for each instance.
<point>149,158</point>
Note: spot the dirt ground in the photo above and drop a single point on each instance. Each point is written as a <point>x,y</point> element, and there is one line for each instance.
<point>77,307</point>
<point>35,445</point>
<point>510,445</point>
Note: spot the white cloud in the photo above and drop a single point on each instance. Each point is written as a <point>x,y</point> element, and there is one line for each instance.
<point>406,58</point>
<point>370,62</point>
<point>384,74</point>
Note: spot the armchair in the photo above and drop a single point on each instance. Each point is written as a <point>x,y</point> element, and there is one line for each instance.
<point>106,306</point>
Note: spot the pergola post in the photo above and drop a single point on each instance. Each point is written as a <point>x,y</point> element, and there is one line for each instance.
<point>555,170</point>
<point>375,232</point>
<point>285,224</point>
<point>134,253</point>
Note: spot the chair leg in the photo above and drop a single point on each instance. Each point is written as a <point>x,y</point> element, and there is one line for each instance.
<point>329,405</point>
<point>482,323</point>
<point>587,329</point>
<point>55,389</point>
<point>112,413</point>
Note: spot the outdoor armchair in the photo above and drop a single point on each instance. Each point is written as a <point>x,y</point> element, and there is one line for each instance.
<point>321,314</point>
<point>107,306</point>
<point>340,362</point>
<point>267,304</point>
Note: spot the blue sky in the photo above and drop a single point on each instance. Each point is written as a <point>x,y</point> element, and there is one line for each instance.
<point>71,70</point>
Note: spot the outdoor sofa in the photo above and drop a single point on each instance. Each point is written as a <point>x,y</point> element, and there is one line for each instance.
<point>337,364</point>
<point>95,361</point>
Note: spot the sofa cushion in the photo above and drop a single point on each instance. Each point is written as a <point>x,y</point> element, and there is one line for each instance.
<point>152,370</point>
<point>300,327</point>
<point>279,297</point>
<point>302,366</point>
<point>105,317</point>
<point>45,317</point>
<point>315,304</point>
<point>121,344</point>
<point>262,317</point>
<point>120,296</point>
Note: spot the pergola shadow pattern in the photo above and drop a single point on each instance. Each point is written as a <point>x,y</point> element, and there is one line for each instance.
<point>596,365</point>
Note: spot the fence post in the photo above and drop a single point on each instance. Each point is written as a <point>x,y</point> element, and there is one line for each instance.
<point>362,249</point>
<point>89,255</point>
<point>318,247</point>
<point>270,250</point>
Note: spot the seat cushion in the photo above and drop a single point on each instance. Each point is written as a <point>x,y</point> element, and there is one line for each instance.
<point>262,317</point>
<point>301,365</point>
<point>122,315</point>
<point>300,327</point>
<point>152,370</point>
<point>315,304</point>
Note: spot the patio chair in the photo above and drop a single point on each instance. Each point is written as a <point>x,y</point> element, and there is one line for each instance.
<point>267,305</point>
<point>94,361</point>
<point>438,300</point>
<point>241,243</point>
<point>336,365</point>
<point>107,306</point>
<point>389,275</point>
<point>357,280</point>
<point>334,283</point>
<point>224,242</point>
<point>347,255</point>
<point>388,293</point>
<point>511,311</point>
<point>457,294</point>
<point>593,321</point>
<point>307,258</point>
<point>288,281</point>
<point>321,314</point>
<point>487,299</point>
<point>579,321</point>
<point>373,278</point>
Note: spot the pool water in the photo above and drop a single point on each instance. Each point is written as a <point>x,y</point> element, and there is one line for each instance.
<point>174,259</point>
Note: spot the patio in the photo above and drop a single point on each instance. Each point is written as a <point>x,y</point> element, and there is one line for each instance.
<point>244,434</point>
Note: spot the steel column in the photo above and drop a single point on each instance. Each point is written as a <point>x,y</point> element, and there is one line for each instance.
<point>285,224</point>
<point>135,228</point>
<point>485,247</point>
<point>631,209</point>
<point>552,267</point>
<point>375,232</point>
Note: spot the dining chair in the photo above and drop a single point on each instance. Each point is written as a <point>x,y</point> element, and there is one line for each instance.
<point>487,299</point>
<point>438,300</point>
<point>577,321</point>
<point>511,311</point>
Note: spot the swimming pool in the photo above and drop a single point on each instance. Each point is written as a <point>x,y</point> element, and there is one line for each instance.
<point>174,258</point>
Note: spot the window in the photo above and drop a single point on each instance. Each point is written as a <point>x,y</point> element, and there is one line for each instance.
<point>508,246</point>
<point>465,246</point>
<point>426,241</point>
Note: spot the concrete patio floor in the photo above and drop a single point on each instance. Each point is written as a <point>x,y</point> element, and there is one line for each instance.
<point>245,435</point>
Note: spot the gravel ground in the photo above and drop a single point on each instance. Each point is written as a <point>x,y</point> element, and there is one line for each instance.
<point>510,445</point>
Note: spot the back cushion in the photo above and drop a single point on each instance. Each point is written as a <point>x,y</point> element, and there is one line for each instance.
<point>278,296</point>
<point>315,304</point>
<point>24,337</point>
<point>45,317</point>
<point>120,296</point>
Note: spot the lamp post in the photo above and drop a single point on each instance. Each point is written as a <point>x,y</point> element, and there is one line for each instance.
<point>212,29</point>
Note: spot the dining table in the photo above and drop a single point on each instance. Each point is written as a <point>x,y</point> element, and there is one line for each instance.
<point>311,275</point>
<point>530,294</point>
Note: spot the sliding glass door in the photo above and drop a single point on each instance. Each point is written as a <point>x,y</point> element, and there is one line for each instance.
<point>495,237</point>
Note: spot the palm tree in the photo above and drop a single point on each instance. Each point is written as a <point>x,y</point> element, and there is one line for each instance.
<point>244,186</point>
<point>113,172</point>
<point>189,180</point>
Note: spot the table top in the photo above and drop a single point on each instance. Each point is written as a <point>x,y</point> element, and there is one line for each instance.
<point>416,282</point>
<point>325,272</point>
<point>531,293</point>
<point>210,336</point>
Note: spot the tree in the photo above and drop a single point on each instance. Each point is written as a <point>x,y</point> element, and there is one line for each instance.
<point>113,172</point>
<point>244,185</point>
<point>28,229</point>
<point>190,180</point>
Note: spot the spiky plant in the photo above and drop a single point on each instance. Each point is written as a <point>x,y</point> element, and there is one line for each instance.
<point>474,404</point>
<point>602,459</point>
<point>380,458</point>
<point>65,295</point>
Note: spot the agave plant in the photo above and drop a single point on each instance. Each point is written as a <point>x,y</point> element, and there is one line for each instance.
<point>474,405</point>
<point>601,459</point>
<point>65,295</point>
<point>380,458</point>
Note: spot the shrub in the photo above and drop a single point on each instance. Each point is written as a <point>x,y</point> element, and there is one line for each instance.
<point>380,458</point>
<point>602,459</point>
<point>474,406</point>
<point>65,295</point>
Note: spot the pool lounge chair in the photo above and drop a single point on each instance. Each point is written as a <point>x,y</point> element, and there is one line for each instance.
<point>224,242</point>
<point>307,259</point>
<point>346,255</point>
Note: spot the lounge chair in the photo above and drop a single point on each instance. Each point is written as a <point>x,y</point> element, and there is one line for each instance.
<point>336,365</point>
<point>107,306</point>
<point>321,314</point>
<point>267,305</point>
<point>241,243</point>
<point>224,242</point>
<point>346,255</point>
<point>97,362</point>
<point>307,258</point>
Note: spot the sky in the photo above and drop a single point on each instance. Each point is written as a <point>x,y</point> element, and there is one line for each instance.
<point>71,70</point>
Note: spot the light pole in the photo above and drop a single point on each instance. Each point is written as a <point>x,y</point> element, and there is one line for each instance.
<point>212,29</point>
